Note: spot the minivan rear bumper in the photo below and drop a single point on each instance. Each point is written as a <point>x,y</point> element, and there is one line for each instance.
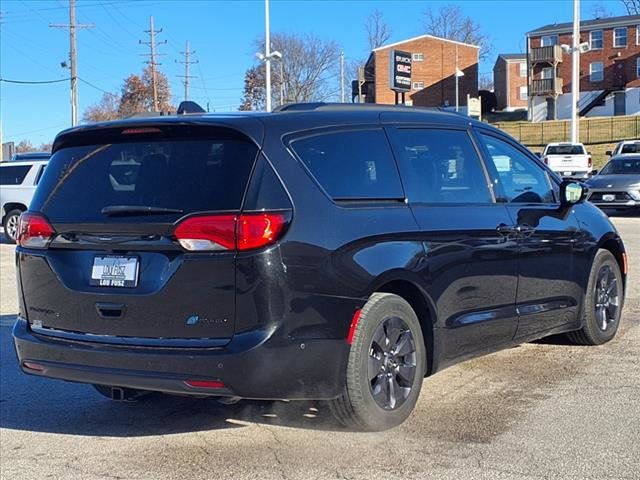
<point>256,365</point>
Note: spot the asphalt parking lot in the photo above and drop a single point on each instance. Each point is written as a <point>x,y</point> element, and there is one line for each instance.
<point>542,410</point>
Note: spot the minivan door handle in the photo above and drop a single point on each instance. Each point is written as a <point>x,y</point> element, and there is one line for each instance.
<point>110,310</point>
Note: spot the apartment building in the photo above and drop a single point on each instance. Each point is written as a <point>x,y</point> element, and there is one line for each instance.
<point>510,82</point>
<point>609,71</point>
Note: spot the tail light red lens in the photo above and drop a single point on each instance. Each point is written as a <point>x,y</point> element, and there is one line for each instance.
<point>247,231</point>
<point>545,160</point>
<point>34,231</point>
<point>589,162</point>
<point>204,383</point>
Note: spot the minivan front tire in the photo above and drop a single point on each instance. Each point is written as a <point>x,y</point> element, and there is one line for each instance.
<point>386,366</point>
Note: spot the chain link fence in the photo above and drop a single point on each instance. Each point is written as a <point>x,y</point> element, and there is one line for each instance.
<point>592,130</point>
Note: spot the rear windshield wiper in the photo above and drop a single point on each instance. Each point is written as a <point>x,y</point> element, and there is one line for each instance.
<point>125,210</point>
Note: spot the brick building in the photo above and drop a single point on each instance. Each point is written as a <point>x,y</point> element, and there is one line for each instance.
<point>609,71</point>
<point>510,81</point>
<point>433,71</point>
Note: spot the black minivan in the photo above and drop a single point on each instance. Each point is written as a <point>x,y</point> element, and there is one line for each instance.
<point>330,252</point>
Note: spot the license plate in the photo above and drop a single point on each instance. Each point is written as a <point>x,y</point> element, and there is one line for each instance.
<point>567,174</point>
<point>114,271</point>
<point>608,198</point>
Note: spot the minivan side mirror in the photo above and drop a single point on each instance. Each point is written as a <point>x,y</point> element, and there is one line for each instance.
<point>609,153</point>
<point>572,193</point>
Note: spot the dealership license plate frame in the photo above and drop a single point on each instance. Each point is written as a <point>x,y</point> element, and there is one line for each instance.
<point>116,271</point>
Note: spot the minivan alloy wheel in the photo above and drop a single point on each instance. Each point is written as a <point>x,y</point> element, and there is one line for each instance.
<point>607,298</point>
<point>392,363</point>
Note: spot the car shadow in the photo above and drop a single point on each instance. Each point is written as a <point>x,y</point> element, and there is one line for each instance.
<point>44,405</point>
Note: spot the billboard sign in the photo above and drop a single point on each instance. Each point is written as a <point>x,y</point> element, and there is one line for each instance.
<point>400,71</point>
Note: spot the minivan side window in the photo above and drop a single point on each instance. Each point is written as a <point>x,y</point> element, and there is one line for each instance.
<point>13,175</point>
<point>351,164</point>
<point>440,166</point>
<point>522,180</point>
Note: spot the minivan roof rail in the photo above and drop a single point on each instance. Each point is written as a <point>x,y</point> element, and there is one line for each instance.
<point>324,106</point>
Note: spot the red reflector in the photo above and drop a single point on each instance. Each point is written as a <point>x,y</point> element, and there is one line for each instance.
<point>34,231</point>
<point>257,230</point>
<point>33,366</point>
<point>215,232</point>
<point>205,383</point>
<point>354,324</point>
<point>133,131</point>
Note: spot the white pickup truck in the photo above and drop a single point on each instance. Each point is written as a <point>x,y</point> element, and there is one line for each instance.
<point>568,159</point>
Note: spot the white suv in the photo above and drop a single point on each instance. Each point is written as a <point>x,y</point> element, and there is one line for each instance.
<point>18,180</point>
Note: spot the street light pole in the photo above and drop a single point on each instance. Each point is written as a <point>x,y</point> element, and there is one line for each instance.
<point>267,56</point>
<point>575,71</point>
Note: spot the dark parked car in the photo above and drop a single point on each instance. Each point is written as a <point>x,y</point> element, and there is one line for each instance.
<point>340,253</point>
<point>617,185</point>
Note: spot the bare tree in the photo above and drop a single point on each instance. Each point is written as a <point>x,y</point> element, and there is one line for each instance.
<point>106,109</point>
<point>24,146</point>
<point>378,31</point>
<point>450,22</point>
<point>485,81</point>
<point>600,11</point>
<point>45,147</point>
<point>632,6</point>
<point>309,67</point>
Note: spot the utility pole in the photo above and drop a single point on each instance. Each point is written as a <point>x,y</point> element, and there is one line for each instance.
<point>267,55</point>
<point>575,71</point>
<point>342,77</point>
<point>73,26</point>
<point>152,59</point>
<point>187,55</point>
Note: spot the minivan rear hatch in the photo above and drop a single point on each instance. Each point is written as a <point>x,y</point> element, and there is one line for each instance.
<point>115,270</point>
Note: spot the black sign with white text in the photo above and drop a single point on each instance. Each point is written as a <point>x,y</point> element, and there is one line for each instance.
<point>399,71</point>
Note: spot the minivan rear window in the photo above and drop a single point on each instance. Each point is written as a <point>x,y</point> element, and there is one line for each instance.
<point>351,164</point>
<point>183,175</point>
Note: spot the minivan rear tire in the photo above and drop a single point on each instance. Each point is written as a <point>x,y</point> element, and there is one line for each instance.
<point>379,321</point>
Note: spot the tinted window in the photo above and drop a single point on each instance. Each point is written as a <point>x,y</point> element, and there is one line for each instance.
<point>355,164</point>
<point>565,150</point>
<point>13,175</point>
<point>190,175</point>
<point>440,166</point>
<point>522,180</point>
<point>622,166</point>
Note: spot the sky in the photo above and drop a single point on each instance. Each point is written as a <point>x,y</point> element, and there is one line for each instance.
<point>223,35</point>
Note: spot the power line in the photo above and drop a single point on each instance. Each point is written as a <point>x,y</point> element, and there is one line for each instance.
<point>187,54</point>
<point>152,59</point>
<point>72,26</point>
<point>96,87</point>
<point>34,82</point>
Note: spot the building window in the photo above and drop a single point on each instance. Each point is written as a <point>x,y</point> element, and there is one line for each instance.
<point>418,85</point>
<point>620,37</point>
<point>418,57</point>
<point>595,40</point>
<point>638,67</point>
<point>548,40</point>
<point>596,72</point>
<point>524,93</point>
<point>637,34</point>
<point>547,72</point>
<point>523,69</point>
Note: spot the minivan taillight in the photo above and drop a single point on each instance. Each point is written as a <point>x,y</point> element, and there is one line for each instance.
<point>246,231</point>
<point>34,231</point>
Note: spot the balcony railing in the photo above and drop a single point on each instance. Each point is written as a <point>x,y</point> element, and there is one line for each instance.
<point>546,86</point>
<point>551,54</point>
